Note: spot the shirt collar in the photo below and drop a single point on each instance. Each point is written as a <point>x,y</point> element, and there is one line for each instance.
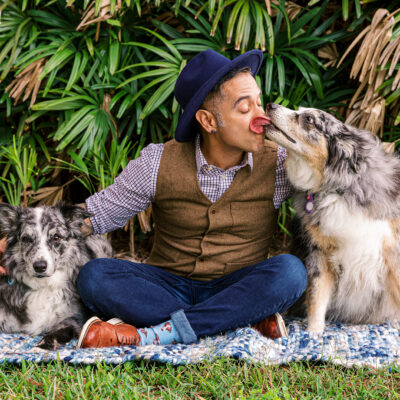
<point>202,164</point>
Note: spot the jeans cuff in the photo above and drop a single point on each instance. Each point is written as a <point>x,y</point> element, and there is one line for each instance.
<point>183,327</point>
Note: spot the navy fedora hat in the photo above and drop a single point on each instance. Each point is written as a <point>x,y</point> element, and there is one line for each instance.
<point>197,79</point>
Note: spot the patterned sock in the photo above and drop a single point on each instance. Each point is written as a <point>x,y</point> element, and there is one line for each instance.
<point>164,333</point>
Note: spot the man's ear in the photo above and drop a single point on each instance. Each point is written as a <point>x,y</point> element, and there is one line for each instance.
<point>207,120</point>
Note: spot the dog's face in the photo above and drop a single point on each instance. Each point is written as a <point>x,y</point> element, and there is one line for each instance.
<point>39,241</point>
<point>303,131</point>
<point>328,147</point>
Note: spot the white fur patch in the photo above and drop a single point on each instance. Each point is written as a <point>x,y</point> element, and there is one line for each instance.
<point>43,253</point>
<point>359,255</point>
<point>300,174</point>
<point>46,307</point>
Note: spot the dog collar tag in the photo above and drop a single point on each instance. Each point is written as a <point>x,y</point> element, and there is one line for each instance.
<point>11,282</point>
<point>309,203</point>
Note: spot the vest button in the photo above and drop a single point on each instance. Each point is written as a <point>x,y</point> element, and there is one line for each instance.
<point>212,211</point>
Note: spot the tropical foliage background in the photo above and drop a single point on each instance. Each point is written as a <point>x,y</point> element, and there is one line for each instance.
<point>85,85</point>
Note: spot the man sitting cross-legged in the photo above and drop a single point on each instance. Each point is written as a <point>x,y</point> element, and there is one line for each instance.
<point>214,192</point>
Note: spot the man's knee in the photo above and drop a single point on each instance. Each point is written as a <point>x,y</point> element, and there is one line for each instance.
<point>294,272</point>
<point>91,276</point>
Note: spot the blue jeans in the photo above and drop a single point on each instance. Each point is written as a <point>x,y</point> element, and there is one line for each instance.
<point>144,295</point>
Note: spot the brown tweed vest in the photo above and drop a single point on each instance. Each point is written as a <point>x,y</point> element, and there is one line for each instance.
<point>201,240</point>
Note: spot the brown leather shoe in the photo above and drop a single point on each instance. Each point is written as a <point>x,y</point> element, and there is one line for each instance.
<point>272,327</point>
<point>97,333</point>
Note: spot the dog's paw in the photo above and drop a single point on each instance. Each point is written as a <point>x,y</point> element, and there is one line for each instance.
<point>315,325</point>
<point>316,329</point>
<point>49,342</point>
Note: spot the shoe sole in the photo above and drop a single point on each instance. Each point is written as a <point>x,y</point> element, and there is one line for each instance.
<point>281,324</point>
<point>85,328</point>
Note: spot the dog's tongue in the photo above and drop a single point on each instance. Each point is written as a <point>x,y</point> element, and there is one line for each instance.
<point>257,124</point>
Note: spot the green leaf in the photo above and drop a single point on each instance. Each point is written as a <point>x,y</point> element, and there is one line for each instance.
<point>43,147</point>
<point>161,64</point>
<point>114,56</point>
<point>259,40</point>
<point>124,105</point>
<point>89,44</point>
<point>69,123</point>
<point>114,22</point>
<point>79,127</point>
<point>79,162</point>
<point>169,45</point>
<point>74,76</point>
<point>281,74</point>
<point>397,121</point>
<point>304,20</point>
<point>393,96</point>
<point>158,97</point>
<point>232,20</point>
<point>269,70</point>
<point>155,50</point>
<point>270,30</point>
<point>316,80</point>
<point>56,60</point>
<point>155,72</point>
<point>240,27</point>
<point>345,9</point>
<point>67,103</point>
<point>300,66</point>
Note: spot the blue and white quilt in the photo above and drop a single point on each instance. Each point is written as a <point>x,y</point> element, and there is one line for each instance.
<point>377,346</point>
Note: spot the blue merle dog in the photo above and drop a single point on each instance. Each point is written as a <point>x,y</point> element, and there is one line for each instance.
<point>46,248</point>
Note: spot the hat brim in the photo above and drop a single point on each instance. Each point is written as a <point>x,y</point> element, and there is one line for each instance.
<point>186,129</point>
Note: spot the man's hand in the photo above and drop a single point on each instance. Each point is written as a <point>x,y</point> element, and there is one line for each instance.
<point>87,228</point>
<point>3,244</point>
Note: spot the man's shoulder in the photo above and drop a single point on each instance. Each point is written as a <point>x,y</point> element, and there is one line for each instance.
<point>173,146</point>
<point>152,148</point>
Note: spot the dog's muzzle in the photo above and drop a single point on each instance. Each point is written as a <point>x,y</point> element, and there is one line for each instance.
<point>271,127</point>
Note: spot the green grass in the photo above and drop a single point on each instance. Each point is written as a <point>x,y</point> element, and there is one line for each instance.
<point>223,379</point>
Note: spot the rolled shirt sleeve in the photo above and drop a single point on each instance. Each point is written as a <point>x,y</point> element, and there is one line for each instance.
<point>132,192</point>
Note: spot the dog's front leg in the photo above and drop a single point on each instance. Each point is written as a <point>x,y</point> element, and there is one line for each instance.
<point>66,331</point>
<point>319,291</point>
<point>393,282</point>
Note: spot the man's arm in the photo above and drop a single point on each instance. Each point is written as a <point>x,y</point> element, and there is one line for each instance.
<point>132,192</point>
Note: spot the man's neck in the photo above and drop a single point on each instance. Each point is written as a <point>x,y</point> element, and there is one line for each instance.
<point>218,156</point>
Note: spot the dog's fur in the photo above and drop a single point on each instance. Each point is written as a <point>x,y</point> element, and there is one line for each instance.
<point>351,237</point>
<point>46,247</point>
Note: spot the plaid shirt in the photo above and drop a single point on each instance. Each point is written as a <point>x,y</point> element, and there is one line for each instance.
<point>134,189</point>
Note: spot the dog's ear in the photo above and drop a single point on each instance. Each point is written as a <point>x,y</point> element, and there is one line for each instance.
<point>75,218</point>
<point>9,215</point>
<point>343,154</point>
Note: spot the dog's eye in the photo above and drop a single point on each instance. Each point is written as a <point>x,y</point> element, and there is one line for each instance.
<point>26,239</point>
<point>56,238</point>
<point>309,119</point>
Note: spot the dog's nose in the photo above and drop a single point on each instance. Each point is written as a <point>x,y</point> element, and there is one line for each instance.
<point>271,106</point>
<point>40,266</point>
